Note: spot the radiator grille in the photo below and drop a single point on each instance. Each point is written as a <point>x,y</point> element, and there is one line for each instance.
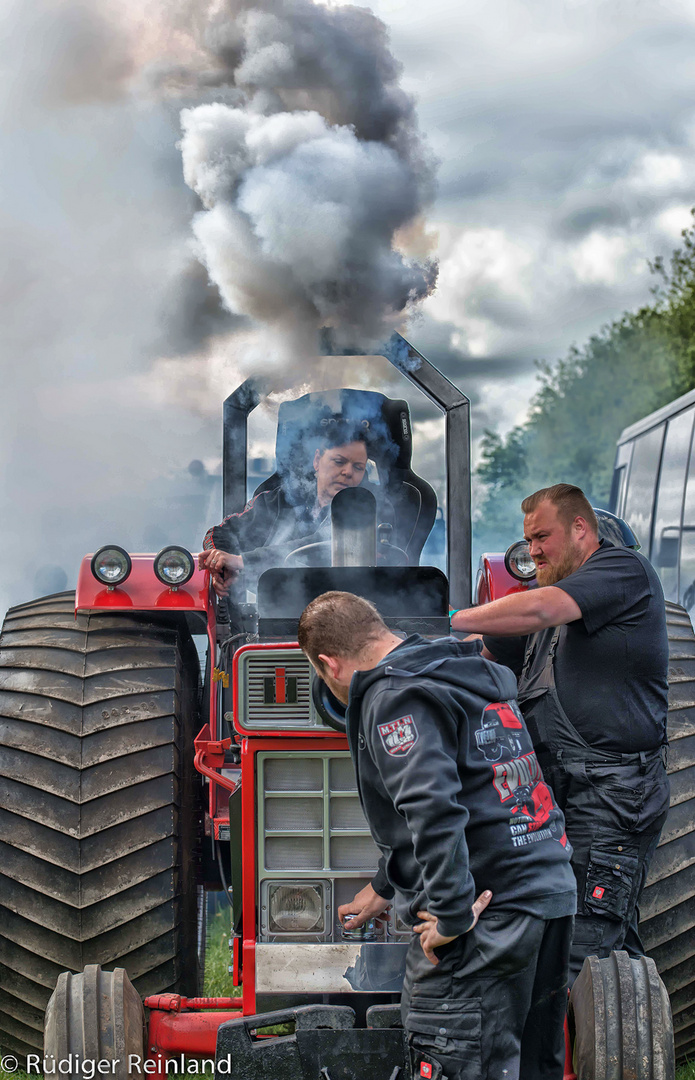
<point>287,813</point>
<point>293,774</point>
<point>300,815</point>
<point>346,813</point>
<point>293,853</point>
<point>353,852</point>
<point>342,774</point>
<point>274,690</point>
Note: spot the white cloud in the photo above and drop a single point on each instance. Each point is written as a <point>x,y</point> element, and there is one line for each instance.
<point>552,139</point>
<point>656,172</point>
<point>674,219</point>
<point>477,265</point>
<point>600,259</point>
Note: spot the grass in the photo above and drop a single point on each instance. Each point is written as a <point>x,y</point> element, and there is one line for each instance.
<point>218,983</point>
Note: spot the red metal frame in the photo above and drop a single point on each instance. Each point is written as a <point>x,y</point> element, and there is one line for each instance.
<point>249,748</point>
<point>569,1073</point>
<point>175,1028</point>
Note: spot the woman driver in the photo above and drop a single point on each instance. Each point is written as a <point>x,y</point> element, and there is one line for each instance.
<point>271,526</point>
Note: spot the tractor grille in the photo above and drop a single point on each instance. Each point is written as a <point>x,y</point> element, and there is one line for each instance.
<point>293,853</point>
<point>310,814</point>
<point>274,690</point>
<point>311,828</point>
<point>293,773</point>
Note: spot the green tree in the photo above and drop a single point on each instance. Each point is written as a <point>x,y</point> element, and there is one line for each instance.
<point>633,365</point>
<point>675,300</point>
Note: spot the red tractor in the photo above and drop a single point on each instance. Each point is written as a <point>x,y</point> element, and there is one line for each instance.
<point>129,786</point>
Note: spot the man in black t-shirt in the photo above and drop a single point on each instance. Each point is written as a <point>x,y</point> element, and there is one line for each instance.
<point>590,650</point>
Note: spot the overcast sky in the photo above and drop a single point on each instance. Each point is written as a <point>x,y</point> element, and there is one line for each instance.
<point>565,135</point>
<point>565,132</point>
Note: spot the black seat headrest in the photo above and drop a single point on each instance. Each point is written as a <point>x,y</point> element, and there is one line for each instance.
<point>385,424</point>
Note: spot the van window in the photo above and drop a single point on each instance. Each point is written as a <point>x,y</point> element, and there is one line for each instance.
<point>687,567</point>
<point>620,471</point>
<point>639,502</point>
<point>669,501</point>
<point>617,488</point>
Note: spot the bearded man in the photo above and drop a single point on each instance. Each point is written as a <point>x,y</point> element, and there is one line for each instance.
<point>590,651</point>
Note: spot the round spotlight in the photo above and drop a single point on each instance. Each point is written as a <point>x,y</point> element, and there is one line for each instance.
<point>519,562</point>
<point>111,565</point>
<point>174,566</point>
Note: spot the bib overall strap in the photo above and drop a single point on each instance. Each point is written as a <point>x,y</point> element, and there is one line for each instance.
<point>545,678</point>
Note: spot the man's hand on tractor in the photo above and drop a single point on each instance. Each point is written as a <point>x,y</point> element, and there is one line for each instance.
<point>431,939</point>
<point>365,906</point>
<point>224,568</point>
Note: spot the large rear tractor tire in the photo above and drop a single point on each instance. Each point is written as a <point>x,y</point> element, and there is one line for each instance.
<point>667,906</point>
<point>99,806</point>
<point>620,1021</point>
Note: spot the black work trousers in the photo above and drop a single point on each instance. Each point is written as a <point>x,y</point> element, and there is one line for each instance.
<point>615,806</point>
<point>493,1008</point>
<point>613,816</point>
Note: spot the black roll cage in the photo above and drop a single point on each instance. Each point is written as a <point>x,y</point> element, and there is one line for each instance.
<point>441,392</point>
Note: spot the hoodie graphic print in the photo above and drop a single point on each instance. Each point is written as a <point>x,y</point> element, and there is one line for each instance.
<point>451,788</point>
<point>516,775</point>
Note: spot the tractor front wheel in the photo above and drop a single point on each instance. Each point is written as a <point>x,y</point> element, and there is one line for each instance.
<point>620,1021</point>
<point>97,1016</point>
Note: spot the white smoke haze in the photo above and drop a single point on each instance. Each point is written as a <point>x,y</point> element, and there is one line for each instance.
<point>118,349</point>
<point>94,229</point>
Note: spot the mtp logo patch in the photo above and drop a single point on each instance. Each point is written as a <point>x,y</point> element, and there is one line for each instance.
<point>399,736</point>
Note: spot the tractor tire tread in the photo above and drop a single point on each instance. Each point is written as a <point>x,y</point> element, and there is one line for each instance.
<point>97,717</point>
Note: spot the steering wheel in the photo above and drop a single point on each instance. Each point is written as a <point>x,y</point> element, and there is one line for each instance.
<point>318,554</point>
<point>331,711</point>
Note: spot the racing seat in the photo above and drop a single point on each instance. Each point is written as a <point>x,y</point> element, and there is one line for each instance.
<point>387,428</point>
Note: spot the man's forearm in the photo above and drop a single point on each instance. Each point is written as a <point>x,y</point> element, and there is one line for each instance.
<point>518,614</point>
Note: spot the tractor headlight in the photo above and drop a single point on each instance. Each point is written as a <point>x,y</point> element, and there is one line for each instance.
<point>296,909</point>
<point>518,561</point>
<point>174,566</point>
<point>111,565</point>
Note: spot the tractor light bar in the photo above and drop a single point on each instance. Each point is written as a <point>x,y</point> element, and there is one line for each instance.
<point>296,907</point>
<point>518,561</point>
<point>111,565</point>
<point>174,566</point>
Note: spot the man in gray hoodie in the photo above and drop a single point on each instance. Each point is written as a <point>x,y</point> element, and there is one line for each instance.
<point>456,802</point>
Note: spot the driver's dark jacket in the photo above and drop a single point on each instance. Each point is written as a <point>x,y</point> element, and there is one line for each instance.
<point>452,819</point>
<point>271,526</point>
<point>268,529</point>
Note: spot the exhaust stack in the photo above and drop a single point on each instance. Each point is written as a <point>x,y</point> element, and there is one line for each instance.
<point>353,528</point>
